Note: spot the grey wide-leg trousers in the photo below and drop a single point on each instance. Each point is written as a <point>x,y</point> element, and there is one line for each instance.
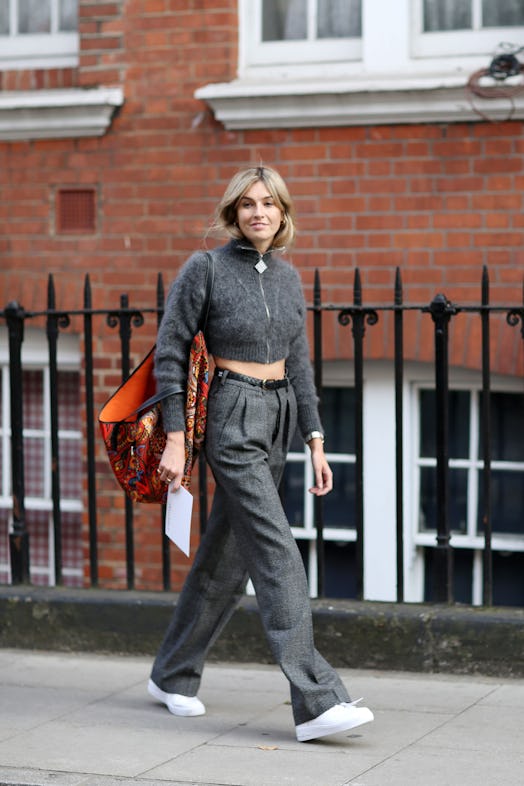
<point>248,435</point>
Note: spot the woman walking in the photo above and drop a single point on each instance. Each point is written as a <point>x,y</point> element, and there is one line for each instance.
<point>263,386</point>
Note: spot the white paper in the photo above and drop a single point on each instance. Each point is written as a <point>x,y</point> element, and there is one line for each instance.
<point>179,507</point>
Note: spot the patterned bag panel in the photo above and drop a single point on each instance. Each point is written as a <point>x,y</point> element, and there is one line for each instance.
<point>135,445</point>
<point>197,392</point>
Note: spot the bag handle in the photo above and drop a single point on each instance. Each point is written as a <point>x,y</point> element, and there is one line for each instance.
<point>171,391</point>
<point>156,398</point>
<point>210,280</point>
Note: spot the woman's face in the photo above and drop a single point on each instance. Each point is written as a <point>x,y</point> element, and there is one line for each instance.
<point>258,217</point>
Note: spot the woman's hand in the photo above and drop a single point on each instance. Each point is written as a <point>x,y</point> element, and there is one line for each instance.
<point>321,469</point>
<point>171,467</point>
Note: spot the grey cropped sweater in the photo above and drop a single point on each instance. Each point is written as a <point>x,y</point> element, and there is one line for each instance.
<point>256,317</point>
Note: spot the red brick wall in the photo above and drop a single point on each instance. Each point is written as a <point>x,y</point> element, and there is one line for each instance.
<point>438,201</point>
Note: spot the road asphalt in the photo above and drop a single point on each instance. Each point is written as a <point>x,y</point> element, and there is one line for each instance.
<point>71,719</point>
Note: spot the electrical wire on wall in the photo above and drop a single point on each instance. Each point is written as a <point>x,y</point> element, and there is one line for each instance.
<point>502,67</point>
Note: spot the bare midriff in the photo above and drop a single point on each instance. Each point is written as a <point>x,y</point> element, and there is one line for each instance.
<point>275,370</point>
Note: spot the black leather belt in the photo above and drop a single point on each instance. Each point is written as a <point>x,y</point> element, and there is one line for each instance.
<point>265,384</point>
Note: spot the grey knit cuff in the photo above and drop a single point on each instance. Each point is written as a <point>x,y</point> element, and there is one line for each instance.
<point>309,420</point>
<point>173,413</point>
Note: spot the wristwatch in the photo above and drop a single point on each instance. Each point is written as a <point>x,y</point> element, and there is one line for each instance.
<point>314,435</point>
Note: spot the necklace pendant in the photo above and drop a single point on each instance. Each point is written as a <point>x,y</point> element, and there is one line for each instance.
<point>260,266</point>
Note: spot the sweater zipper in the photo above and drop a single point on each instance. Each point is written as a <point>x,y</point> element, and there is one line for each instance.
<point>268,314</point>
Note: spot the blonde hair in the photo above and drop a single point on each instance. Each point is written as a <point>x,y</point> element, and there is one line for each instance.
<point>226,212</point>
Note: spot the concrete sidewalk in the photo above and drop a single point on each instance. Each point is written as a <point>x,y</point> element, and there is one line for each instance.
<point>86,720</point>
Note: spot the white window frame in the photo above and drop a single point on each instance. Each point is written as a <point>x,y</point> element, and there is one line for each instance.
<point>307,531</point>
<point>40,50</point>
<point>256,52</point>
<point>35,358</point>
<point>51,114</point>
<point>415,540</point>
<point>400,77</point>
<point>380,580</point>
<point>477,41</point>
<point>334,376</point>
<point>472,464</point>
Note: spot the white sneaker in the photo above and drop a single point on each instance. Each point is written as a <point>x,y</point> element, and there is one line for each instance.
<point>341,717</point>
<point>185,706</point>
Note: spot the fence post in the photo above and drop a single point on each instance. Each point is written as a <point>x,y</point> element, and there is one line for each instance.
<point>90,434</point>
<point>54,321</point>
<point>487,582</point>
<point>125,318</point>
<point>399,439</point>
<point>359,316</point>
<point>166,550</point>
<point>318,502</point>
<point>441,311</point>
<point>19,536</point>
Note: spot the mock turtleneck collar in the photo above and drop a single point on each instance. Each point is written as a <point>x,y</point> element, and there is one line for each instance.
<point>243,244</point>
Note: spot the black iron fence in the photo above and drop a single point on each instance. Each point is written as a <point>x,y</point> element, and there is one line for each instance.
<point>358,316</point>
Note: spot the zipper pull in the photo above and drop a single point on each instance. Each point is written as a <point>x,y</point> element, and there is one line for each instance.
<point>260,265</point>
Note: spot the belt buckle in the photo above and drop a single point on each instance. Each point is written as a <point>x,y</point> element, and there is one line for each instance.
<point>263,384</point>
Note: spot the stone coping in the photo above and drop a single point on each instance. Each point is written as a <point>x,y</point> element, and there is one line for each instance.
<point>350,634</point>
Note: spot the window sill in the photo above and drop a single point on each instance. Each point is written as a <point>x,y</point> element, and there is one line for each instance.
<point>244,104</point>
<point>53,114</point>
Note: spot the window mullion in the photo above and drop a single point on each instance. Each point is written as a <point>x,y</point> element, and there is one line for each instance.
<point>54,16</point>
<point>378,38</point>
<point>312,20</point>
<point>476,15</point>
<point>257,22</point>
<point>477,578</point>
<point>416,467</point>
<point>473,471</point>
<point>312,569</point>
<point>308,499</point>
<point>13,17</point>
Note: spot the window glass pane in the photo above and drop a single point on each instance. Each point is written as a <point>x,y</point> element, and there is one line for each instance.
<point>292,493</point>
<point>458,480</point>
<point>72,548</point>
<point>68,15</point>
<point>70,469</point>
<point>462,578</point>
<point>34,466</point>
<point>340,570</point>
<point>339,504</point>
<point>4,17</point>
<point>440,15</point>
<point>507,502</point>
<point>338,407</point>
<point>507,427</point>
<point>508,579</point>
<point>458,424</point>
<point>284,20</point>
<point>34,16</point>
<point>38,528</point>
<point>339,19</point>
<point>338,420</point>
<point>303,547</point>
<point>68,400</point>
<point>502,13</point>
<point>33,411</point>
